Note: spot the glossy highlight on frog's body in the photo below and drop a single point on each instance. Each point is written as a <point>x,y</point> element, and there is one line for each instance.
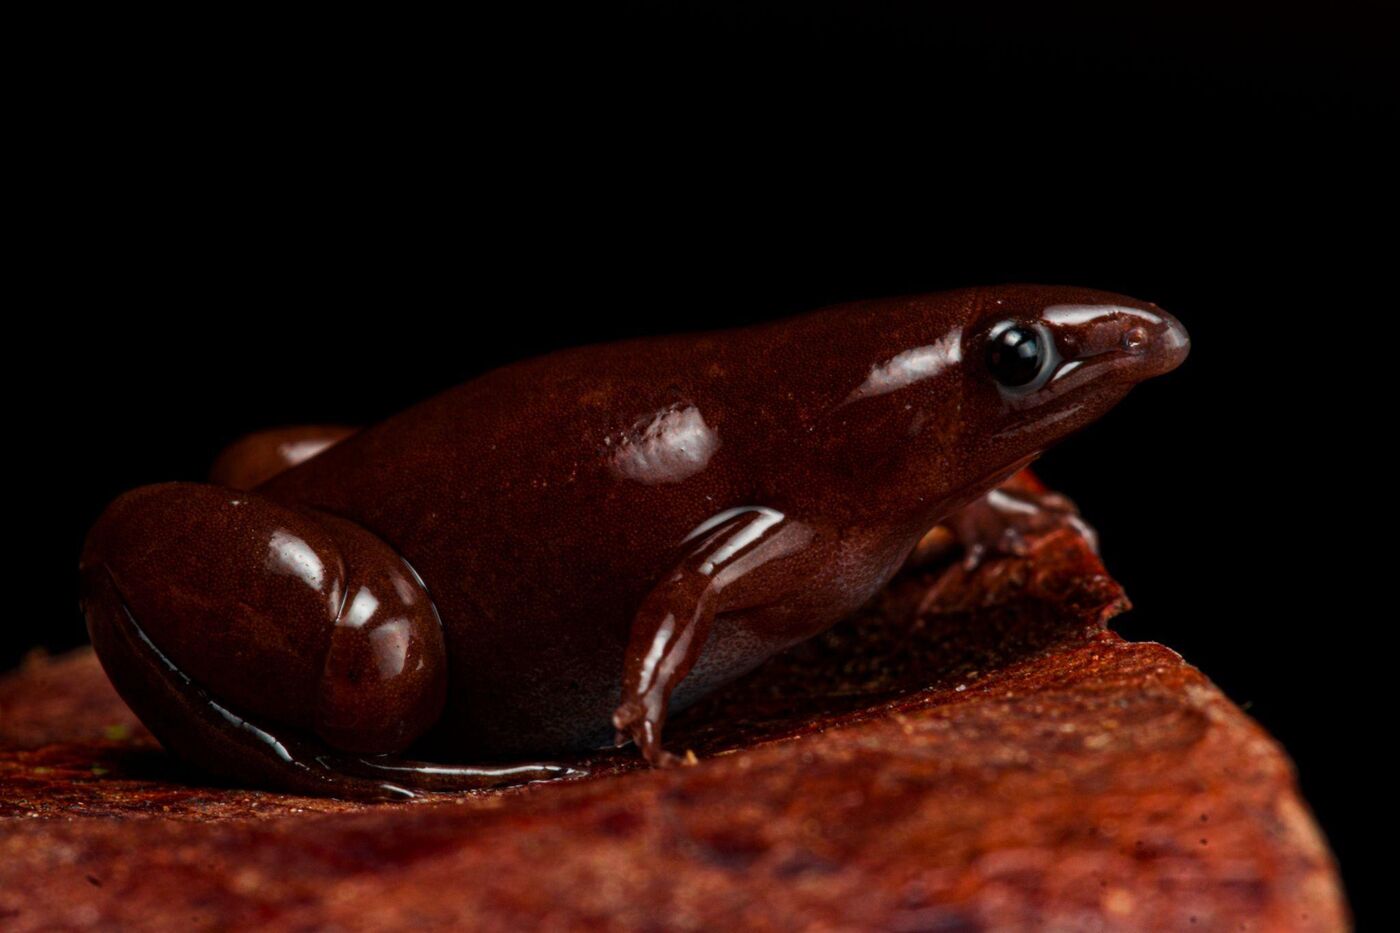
<point>569,547</point>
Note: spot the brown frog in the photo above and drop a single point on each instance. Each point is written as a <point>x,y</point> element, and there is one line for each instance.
<point>555,554</point>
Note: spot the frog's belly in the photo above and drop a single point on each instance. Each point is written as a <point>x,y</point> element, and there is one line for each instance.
<point>513,696</point>
<point>572,711</point>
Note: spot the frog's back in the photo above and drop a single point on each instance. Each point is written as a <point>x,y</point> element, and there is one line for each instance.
<point>538,503</point>
<point>541,501</point>
<point>608,451</point>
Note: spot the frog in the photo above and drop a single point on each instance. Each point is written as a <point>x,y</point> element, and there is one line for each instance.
<point>557,555</point>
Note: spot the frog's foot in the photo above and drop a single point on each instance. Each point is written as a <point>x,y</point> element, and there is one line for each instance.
<point>633,722</point>
<point>276,647</point>
<point>998,524</point>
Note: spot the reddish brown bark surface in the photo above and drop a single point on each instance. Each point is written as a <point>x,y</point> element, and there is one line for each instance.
<point>973,752</point>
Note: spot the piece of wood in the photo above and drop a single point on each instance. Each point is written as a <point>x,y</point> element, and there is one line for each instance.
<point>975,751</point>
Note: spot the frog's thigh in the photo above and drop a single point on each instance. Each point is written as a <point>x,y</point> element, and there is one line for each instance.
<point>273,646</point>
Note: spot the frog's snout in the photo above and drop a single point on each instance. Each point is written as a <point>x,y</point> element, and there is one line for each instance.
<point>1123,342</point>
<point>1159,341</point>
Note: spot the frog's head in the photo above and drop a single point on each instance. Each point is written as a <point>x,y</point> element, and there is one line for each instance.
<point>982,381</point>
<point>1039,362</point>
<point>1038,356</point>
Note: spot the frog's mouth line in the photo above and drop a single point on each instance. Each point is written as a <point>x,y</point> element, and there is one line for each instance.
<point>995,478</point>
<point>969,492</point>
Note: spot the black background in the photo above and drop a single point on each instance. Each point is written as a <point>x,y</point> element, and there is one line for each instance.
<point>266,223</point>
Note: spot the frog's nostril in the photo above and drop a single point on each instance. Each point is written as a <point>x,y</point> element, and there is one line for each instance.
<point>1174,342</point>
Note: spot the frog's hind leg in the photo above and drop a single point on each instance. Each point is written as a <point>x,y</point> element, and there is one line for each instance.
<point>277,647</point>
<point>255,458</point>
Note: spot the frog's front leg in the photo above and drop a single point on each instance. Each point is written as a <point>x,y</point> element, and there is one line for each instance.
<point>273,645</point>
<point>734,561</point>
<point>998,524</point>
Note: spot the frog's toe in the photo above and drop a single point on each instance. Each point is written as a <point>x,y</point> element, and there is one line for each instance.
<point>1001,524</point>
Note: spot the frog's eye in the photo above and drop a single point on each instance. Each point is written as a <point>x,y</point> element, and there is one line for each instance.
<point>1019,355</point>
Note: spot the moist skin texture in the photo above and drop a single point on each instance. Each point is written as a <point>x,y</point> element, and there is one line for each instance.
<point>569,547</point>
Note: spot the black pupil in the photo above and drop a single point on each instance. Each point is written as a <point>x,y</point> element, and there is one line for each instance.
<point>1014,356</point>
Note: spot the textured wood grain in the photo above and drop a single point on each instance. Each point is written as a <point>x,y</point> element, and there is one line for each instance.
<point>976,751</point>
